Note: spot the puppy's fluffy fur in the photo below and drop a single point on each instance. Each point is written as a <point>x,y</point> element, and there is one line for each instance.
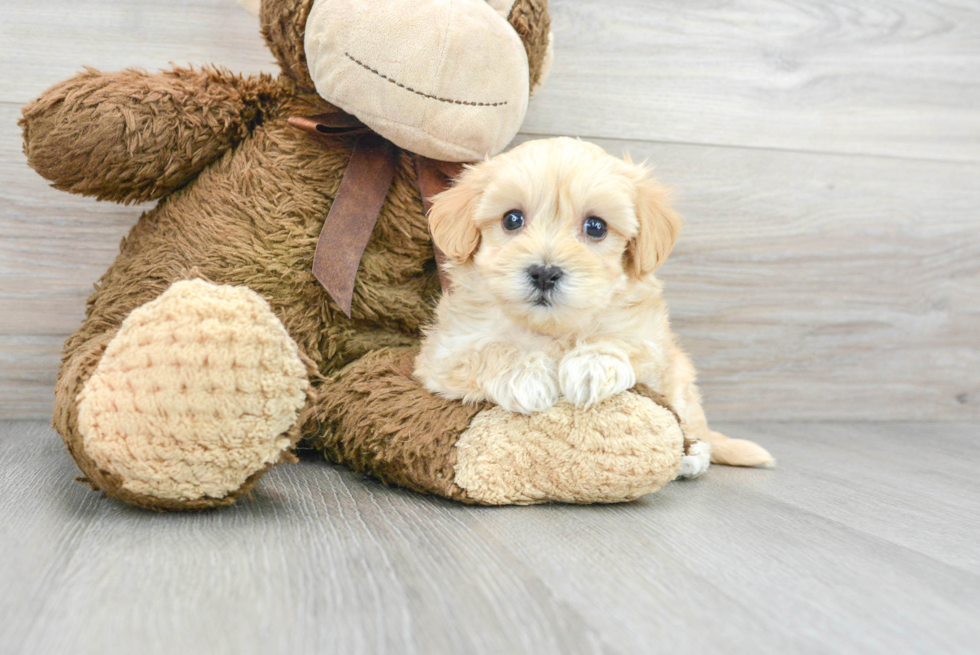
<point>600,328</point>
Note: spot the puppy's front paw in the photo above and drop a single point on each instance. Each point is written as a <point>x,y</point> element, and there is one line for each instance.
<point>589,377</point>
<point>528,388</point>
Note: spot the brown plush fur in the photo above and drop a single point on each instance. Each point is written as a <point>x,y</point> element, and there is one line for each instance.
<point>369,407</point>
<point>243,197</point>
<point>283,27</point>
<point>252,218</point>
<point>366,410</point>
<point>531,20</point>
<point>118,150</point>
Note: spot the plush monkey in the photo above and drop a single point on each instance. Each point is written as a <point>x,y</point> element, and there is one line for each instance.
<point>214,344</point>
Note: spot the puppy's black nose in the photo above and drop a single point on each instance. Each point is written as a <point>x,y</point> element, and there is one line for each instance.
<point>544,277</point>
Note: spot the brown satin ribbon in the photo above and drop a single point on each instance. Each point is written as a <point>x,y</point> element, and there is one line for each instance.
<point>355,209</point>
<point>330,124</point>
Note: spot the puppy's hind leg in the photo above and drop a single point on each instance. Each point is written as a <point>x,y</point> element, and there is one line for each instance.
<point>696,460</point>
<point>686,401</point>
<point>724,450</point>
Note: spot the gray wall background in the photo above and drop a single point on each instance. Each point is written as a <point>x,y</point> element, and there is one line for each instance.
<point>825,155</point>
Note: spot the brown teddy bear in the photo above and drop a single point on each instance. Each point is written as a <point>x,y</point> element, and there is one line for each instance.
<point>231,325</point>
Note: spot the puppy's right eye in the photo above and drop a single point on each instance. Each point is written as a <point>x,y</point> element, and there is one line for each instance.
<point>513,220</point>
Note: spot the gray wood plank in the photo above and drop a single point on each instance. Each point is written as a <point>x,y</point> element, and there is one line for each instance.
<point>806,286</point>
<point>767,576</point>
<point>44,516</point>
<point>28,369</point>
<point>318,561</point>
<point>896,78</point>
<point>821,555</point>
<point>811,286</point>
<point>912,484</point>
<point>44,42</point>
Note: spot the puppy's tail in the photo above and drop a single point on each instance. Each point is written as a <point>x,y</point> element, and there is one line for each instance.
<point>738,452</point>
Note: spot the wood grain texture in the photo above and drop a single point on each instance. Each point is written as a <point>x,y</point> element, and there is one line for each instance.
<point>812,286</point>
<point>47,41</point>
<point>808,285</point>
<point>894,78</point>
<point>863,540</point>
<point>28,367</point>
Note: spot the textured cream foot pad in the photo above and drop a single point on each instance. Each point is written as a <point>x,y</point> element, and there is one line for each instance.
<point>623,448</point>
<point>196,392</point>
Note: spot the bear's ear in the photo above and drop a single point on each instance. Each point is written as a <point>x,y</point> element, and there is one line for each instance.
<point>251,6</point>
<point>452,220</point>
<point>530,19</point>
<point>659,228</point>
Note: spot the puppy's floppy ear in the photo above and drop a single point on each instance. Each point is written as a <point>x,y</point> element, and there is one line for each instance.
<point>659,228</point>
<point>451,217</point>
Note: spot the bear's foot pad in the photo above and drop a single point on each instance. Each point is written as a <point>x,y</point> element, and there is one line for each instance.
<point>623,448</point>
<point>198,391</point>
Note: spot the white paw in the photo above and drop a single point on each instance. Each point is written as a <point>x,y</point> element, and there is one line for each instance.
<point>587,378</point>
<point>696,461</point>
<point>527,388</point>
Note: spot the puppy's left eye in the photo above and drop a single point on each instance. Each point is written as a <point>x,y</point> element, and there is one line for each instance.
<point>595,227</point>
<point>513,220</point>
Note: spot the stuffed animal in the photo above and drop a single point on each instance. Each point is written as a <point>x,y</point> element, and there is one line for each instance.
<point>277,290</point>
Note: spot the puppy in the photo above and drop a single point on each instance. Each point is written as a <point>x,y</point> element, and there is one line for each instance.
<point>551,250</point>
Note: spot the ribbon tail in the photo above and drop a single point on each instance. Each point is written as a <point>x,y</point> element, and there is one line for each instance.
<point>352,217</point>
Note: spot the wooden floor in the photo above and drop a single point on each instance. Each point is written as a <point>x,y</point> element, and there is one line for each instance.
<point>864,540</point>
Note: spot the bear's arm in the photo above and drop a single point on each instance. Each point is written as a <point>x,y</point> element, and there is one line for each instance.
<point>132,136</point>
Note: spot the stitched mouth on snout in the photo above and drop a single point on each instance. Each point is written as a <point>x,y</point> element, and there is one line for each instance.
<point>451,101</point>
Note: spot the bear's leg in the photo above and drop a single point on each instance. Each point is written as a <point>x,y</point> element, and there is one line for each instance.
<point>195,396</point>
<point>377,419</point>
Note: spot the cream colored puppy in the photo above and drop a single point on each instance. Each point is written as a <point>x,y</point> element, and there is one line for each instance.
<point>551,250</point>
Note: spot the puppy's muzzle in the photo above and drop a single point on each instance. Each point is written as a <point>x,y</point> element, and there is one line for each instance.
<point>544,278</point>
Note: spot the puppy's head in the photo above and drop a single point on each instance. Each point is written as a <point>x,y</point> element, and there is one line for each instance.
<point>555,229</point>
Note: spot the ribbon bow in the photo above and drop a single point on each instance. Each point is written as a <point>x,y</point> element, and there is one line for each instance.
<point>357,205</point>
